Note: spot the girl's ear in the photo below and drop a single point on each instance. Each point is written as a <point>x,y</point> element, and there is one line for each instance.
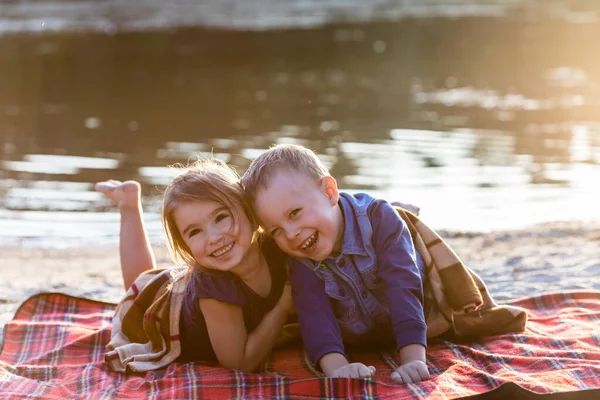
<point>329,187</point>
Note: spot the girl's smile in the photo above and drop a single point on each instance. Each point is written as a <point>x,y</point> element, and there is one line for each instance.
<point>210,232</point>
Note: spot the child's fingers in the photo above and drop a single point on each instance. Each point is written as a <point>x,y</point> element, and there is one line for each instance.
<point>396,377</point>
<point>401,375</point>
<point>423,372</point>
<point>354,370</point>
<point>414,374</point>
<point>364,371</point>
<point>405,377</point>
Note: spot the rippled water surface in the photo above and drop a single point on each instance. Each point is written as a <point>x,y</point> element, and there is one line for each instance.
<point>485,122</point>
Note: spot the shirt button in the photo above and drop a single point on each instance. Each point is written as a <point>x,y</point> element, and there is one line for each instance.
<point>342,292</point>
<point>364,294</point>
<point>342,263</point>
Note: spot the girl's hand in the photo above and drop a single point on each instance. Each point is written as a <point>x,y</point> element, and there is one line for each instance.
<point>124,194</point>
<point>354,370</point>
<point>411,372</point>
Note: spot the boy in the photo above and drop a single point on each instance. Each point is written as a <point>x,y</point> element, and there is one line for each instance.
<point>355,275</point>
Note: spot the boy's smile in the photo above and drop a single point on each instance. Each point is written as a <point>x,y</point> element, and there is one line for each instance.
<point>301,214</point>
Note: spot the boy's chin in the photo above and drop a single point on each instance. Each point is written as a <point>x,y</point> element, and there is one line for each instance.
<point>301,254</point>
<point>317,256</point>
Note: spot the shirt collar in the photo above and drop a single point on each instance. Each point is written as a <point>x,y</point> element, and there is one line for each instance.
<point>352,242</point>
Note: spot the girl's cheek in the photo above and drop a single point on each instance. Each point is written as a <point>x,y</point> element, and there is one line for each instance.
<point>195,240</point>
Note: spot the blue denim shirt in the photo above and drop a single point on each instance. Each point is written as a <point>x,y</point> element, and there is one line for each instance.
<point>371,292</point>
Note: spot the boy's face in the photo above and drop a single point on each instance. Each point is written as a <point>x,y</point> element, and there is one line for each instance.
<point>301,214</point>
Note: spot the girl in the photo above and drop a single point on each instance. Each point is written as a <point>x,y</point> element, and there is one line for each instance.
<point>237,299</point>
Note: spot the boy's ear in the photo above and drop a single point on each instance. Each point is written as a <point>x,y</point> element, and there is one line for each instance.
<point>329,187</point>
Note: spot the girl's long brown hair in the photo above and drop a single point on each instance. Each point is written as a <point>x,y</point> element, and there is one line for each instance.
<point>204,180</point>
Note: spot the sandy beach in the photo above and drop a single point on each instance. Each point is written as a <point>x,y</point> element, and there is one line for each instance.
<point>559,256</point>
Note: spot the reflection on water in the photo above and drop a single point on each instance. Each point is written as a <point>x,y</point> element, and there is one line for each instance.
<point>111,16</point>
<point>485,123</point>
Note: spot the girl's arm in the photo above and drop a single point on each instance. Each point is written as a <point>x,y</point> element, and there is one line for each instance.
<point>233,346</point>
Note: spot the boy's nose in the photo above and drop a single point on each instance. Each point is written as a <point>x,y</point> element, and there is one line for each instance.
<point>291,233</point>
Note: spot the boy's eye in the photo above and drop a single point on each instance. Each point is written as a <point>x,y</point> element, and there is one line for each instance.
<point>221,217</point>
<point>294,212</point>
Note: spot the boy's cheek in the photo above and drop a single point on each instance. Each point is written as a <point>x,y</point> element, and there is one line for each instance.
<point>283,245</point>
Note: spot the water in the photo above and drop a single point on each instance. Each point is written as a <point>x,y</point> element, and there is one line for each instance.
<point>485,123</point>
<point>110,16</point>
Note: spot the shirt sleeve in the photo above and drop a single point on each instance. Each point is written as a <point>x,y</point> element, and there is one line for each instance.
<point>398,271</point>
<point>320,330</point>
<point>218,286</point>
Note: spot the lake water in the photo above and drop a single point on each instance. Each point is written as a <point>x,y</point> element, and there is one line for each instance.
<point>484,122</point>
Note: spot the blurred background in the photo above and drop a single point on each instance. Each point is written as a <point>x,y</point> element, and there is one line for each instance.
<point>486,114</point>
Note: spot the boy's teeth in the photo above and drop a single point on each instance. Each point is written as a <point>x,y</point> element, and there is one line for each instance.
<point>309,242</point>
<point>222,250</point>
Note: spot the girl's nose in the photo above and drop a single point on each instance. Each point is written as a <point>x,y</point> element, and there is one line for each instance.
<point>215,234</point>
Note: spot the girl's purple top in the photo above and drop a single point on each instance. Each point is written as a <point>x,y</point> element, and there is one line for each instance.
<point>226,287</point>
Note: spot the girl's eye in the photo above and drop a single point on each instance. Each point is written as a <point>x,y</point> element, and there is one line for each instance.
<point>294,212</point>
<point>221,217</point>
<point>194,232</point>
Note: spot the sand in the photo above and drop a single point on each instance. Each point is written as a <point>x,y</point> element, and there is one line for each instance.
<point>559,256</point>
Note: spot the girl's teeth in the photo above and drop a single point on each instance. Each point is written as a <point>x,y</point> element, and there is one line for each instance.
<point>223,250</point>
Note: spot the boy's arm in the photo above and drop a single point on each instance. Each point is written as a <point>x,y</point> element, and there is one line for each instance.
<point>400,275</point>
<point>321,333</point>
<point>233,346</point>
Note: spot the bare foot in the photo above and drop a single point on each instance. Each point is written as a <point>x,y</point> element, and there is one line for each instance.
<point>123,194</point>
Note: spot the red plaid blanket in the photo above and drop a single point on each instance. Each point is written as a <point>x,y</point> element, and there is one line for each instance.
<point>54,348</point>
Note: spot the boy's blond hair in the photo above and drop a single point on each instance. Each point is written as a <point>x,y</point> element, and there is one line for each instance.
<point>276,158</point>
<point>204,180</point>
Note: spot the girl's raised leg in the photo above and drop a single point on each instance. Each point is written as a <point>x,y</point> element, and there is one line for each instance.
<point>134,246</point>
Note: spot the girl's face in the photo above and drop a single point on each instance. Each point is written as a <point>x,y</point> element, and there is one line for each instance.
<point>209,231</point>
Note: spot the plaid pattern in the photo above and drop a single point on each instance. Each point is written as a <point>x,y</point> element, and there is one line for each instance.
<point>55,347</point>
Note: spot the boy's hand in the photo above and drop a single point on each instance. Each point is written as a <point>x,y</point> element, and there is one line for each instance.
<point>124,194</point>
<point>354,370</point>
<point>411,372</point>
